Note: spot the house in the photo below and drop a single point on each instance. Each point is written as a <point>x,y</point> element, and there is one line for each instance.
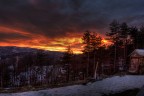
<point>137,61</point>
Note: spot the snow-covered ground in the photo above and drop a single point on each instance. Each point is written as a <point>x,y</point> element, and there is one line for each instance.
<point>110,85</point>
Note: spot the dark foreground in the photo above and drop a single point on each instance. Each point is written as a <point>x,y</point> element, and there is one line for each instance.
<point>132,92</point>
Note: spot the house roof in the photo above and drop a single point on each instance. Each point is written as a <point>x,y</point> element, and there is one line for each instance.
<point>139,52</point>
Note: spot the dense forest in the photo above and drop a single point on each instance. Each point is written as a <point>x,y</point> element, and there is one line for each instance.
<point>38,68</point>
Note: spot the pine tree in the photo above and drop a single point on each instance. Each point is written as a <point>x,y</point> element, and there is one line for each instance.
<point>92,43</point>
<point>95,42</point>
<point>114,32</point>
<point>87,49</point>
<point>87,42</point>
<point>124,30</point>
<point>113,35</point>
<point>141,38</point>
<point>67,60</point>
<point>133,32</point>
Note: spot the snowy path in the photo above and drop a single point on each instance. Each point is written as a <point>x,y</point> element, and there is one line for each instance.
<point>109,85</point>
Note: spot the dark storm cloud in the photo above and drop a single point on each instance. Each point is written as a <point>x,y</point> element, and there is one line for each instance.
<point>11,35</point>
<point>57,17</point>
<point>7,37</point>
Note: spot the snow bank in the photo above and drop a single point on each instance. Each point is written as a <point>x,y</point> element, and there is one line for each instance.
<point>109,85</point>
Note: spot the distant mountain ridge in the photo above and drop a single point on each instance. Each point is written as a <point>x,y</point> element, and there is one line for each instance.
<point>8,51</point>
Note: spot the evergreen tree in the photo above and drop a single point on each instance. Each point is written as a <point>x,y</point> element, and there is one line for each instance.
<point>141,38</point>
<point>87,42</point>
<point>124,30</point>
<point>87,49</point>
<point>95,41</point>
<point>133,32</point>
<point>124,39</point>
<point>67,60</point>
<point>92,43</point>
<point>113,35</point>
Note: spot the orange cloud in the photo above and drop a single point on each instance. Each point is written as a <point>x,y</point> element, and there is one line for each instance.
<point>106,42</point>
<point>11,30</point>
<point>42,42</point>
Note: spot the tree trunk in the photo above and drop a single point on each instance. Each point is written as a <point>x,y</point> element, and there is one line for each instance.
<point>95,74</point>
<point>87,71</point>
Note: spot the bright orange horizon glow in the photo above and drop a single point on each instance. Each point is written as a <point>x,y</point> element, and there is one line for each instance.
<point>38,41</point>
<point>106,42</point>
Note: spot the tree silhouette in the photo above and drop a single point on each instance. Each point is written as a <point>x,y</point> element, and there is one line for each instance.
<point>67,60</point>
<point>92,43</point>
<point>113,35</point>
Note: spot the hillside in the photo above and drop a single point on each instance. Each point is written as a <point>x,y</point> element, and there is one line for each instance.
<point>10,51</point>
<point>109,85</point>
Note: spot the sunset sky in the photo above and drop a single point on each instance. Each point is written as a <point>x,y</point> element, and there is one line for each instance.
<point>55,24</point>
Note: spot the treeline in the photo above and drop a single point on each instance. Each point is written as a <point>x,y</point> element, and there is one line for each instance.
<point>24,69</point>
<point>40,68</point>
<point>124,40</point>
<point>98,59</point>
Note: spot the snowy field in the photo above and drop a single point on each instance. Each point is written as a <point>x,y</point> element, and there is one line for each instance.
<point>110,85</point>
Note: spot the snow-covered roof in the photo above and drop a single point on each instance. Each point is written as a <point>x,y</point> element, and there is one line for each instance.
<point>136,52</point>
